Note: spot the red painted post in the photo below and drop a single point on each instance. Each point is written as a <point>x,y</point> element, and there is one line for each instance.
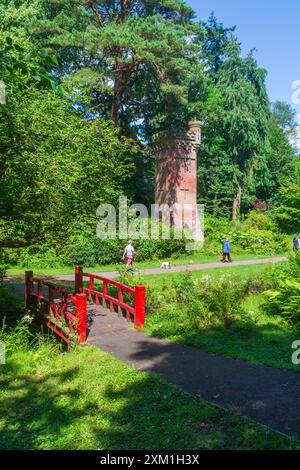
<point>104,290</point>
<point>139,306</point>
<point>28,287</point>
<point>78,279</point>
<point>120,299</point>
<point>80,312</point>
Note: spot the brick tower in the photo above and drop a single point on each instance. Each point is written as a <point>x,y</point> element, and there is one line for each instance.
<point>176,174</point>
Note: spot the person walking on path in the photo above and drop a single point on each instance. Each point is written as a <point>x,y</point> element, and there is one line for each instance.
<point>129,253</point>
<point>296,243</point>
<point>226,252</point>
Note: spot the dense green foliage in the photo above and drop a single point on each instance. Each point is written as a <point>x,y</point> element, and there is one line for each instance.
<point>89,84</point>
<point>257,234</point>
<point>11,307</point>
<point>283,297</point>
<point>288,212</point>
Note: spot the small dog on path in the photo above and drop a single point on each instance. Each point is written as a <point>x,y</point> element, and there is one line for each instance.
<point>165,265</point>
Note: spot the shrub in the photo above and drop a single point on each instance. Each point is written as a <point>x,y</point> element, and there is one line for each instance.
<point>42,256</point>
<point>285,300</point>
<point>283,296</point>
<point>274,275</point>
<point>11,306</point>
<point>258,234</point>
<point>259,221</point>
<point>204,299</point>
<point>222,296</point>
<point>83,247</point>
<point>287,214</point>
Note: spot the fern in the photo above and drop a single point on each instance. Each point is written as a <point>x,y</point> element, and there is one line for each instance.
<point>285,300</point>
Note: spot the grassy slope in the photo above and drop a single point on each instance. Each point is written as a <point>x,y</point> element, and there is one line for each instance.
<point>89,400</point>
<point>196,258</point>
<point>256,337</point>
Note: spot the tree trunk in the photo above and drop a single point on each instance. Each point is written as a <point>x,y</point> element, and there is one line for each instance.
<point>237,203</point>
<point>116,101</point>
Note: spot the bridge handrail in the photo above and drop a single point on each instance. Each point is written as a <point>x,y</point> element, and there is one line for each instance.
<point>76,322</point>
<point>138,292</point>
<point>110,281</point>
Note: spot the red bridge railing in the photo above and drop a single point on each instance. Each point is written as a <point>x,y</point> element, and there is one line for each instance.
<point>66,314</point>
<point>62,312</point>
<point>138,304</point>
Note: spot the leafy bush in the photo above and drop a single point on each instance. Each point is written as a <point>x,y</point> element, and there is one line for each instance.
<point>262,242</point>
<point>283,297</point>
<point>83,247</point>
<point>258,220</point>
<point>285,300</point>
<point>11,306</point>
<point>287,214</point>
<point>275,275</point>
<point>195,302</point>
<point>258,234</point>
<point>222,296</point>
<point>42,256</point>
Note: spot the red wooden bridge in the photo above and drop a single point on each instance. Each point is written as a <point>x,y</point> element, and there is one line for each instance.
<point>73,316</point>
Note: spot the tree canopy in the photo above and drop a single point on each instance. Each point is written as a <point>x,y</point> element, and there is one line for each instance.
<point>88,85</point>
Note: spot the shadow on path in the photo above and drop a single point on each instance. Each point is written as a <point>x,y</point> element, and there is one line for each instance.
<point>265,394</point>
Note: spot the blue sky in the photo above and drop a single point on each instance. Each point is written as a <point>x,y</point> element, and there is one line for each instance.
<point>270,26</point>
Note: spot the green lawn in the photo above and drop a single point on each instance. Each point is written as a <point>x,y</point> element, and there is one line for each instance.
<point>89,400</point>
<point>256,336</point>
<point>196,258</point>
<point>245,272</point>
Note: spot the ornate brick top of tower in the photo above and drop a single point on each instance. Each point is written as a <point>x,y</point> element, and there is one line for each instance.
<point>191,139</point>
<point>194,132</point>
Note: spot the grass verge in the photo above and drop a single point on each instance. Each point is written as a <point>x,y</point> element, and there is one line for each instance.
<point>87,399</point>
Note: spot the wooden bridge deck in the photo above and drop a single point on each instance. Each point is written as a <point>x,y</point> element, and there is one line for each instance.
<point>104,324</point>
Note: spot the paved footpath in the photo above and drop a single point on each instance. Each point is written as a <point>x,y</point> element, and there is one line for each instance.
<point>267,395</point>
<point>182,268</point>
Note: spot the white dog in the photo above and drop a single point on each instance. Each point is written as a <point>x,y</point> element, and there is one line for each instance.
<point>166,265</point>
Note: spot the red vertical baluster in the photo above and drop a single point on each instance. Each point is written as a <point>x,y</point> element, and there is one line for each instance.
<point>78,279</point>
<point>120,298</point>
<point>40,293</point>
<point>81,315</point>
<point>139,306</point>
<point>51,300</point>
<point>104,290</point>
<point>28,287</point>
<point>91,288</point>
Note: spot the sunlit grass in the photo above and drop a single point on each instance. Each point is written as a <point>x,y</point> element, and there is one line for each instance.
<point>244,272</point>
<point>86,399</point>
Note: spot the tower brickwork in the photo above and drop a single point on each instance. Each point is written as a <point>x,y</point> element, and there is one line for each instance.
<point>176,173</point>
